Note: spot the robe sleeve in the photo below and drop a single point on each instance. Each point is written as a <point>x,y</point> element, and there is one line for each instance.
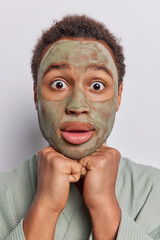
<point>129,229</point>
<point>146,223</point>
<point>17,233</point>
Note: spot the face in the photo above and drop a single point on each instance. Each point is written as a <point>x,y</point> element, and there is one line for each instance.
<point>76,96</point>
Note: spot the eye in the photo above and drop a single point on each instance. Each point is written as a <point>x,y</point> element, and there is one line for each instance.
<point>97,86</point>
<point>58,84</point>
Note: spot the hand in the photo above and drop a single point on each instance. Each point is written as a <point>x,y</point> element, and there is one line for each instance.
<point>55,172</point>
<point>100,170</point>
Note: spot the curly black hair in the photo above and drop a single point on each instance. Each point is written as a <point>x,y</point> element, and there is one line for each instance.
<point>78,26</point>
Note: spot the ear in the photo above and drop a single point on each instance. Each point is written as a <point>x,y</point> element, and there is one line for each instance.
<point>119,96</point>
<point>35,94</point>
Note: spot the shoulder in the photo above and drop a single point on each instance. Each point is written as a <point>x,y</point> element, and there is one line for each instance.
<point>139,172</point>
<point>20,176</point>
<point>136,184</point>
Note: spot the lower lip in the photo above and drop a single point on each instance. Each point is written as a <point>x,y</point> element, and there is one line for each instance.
<point>77,137</point>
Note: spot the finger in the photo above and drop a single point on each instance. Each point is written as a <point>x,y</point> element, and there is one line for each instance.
<point>75,171</point>
<point>88,163</point>
<point>84,172</point>
<point>44,150</point>
<point>84,161</point>
<point>41,154</point>
<point>74,177</point>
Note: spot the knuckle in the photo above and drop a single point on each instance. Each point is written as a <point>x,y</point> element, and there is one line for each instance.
<point>113,153</point>
<point>50,159</point>
<point>75,167</point>
<point>77,177</point>
<point>78,167</point>
<point>83,161</point>
<point>48,156</point>
<point>102,163</point>
<point>42,154</point>
<point>41,151</point>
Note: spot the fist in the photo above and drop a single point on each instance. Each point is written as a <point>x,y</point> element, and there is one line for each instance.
<point>55,172</point>
<point>100,171</point>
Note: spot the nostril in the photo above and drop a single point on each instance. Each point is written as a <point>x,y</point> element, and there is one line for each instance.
<point>73,112</point>
<point>77,111</point>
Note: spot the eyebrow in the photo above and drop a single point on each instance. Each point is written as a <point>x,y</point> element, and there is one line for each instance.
<point>99,67</point>
<point>66,66</point>
<point>56,66</point>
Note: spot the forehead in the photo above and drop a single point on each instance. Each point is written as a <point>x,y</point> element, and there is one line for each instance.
<point>78,53</point>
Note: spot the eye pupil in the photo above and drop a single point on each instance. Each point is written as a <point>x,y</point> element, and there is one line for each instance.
<point>59,84</point>
<point>96,86</point>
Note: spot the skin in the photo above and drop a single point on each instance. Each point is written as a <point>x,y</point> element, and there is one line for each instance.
<point>54,104</point>
<point>99,168</point>
<point>55,173</point>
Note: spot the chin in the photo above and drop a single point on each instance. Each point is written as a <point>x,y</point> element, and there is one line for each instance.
<point>73,152</point>
<point>76,152</point>
<point>77,155</point>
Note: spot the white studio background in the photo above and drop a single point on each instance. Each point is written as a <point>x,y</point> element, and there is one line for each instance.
<point>136,132</point>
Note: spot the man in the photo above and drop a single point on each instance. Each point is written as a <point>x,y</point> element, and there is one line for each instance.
<point>77,187</point>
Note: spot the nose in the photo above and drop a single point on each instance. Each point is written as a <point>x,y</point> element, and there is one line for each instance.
<point>77,103</point>
<point>77,111</point>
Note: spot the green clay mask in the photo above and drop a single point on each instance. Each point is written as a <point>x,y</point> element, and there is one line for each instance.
<point>77,65</point>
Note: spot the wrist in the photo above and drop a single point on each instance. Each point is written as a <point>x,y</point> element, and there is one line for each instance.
<point>39,222</point>
<point>106,220</point>
<point>44,206</point>
<point>103,203</point>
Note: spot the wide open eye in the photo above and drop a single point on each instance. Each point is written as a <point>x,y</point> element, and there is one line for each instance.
<point>58,84</point>
<point>97,86</point>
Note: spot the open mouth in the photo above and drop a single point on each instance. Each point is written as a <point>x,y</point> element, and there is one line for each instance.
<point>77,132</point>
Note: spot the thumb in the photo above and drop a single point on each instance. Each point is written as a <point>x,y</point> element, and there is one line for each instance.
<point>76,170</point>
<point>74,177</point>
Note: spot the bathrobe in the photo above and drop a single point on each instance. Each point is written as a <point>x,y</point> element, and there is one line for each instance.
<point>137,191</point>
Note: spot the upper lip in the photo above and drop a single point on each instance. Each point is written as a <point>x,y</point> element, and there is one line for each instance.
<point>76,126</point>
